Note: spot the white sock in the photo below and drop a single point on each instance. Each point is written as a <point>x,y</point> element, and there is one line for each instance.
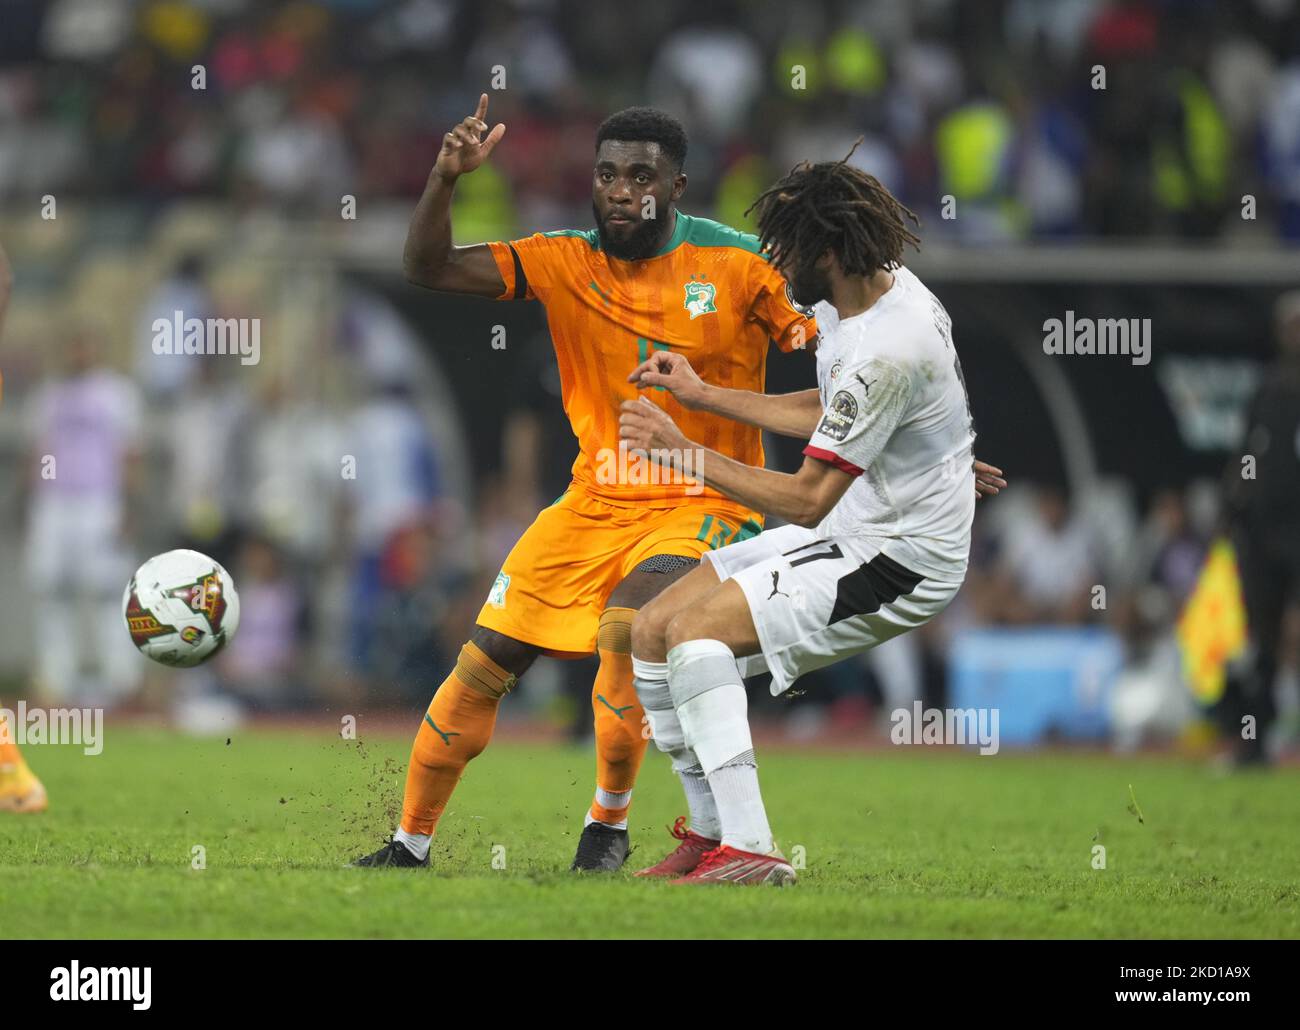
<point>709,695</point>
<point>610,799</point>
<point>735,786</point>
<point>651,682</point>
<point>416,843</point>
<point>699,800</point>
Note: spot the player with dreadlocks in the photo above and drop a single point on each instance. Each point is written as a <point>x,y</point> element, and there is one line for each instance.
<point>818,207</point>
<point>879,513</point>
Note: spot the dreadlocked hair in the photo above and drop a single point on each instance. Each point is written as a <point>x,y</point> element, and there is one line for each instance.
<point>833,206</point>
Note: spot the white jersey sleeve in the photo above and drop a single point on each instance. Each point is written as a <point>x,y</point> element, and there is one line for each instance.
<point>862,415</point>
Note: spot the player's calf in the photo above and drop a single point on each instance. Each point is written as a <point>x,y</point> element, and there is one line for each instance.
<point>709,696</point>
<point>455,729</point>
<point>651,681</point>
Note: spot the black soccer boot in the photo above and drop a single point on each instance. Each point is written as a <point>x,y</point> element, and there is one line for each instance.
<point>601,849</point>
<point>393,855</point>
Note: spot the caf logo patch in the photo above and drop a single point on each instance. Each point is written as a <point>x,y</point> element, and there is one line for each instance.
<point>839,417</point>
<point>807,312</point>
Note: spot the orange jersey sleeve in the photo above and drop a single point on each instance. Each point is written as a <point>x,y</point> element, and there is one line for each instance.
<point>527,265</point>
<point>792,327</point>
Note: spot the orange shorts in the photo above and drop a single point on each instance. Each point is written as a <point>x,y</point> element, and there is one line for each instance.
<point>558,578</point>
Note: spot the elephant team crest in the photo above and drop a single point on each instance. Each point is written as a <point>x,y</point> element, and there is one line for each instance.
<point>699,299</point>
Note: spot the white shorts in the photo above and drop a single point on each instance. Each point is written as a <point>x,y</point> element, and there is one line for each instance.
<point>817,599</point>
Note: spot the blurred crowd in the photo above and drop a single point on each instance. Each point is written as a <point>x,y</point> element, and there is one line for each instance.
<point>336,483</point>
<point>1036,118</point>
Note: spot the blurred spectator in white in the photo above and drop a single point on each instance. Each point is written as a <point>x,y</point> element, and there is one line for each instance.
<point>290,467</point>
<point>397,482</point>
<point>1049,560</point>
<point>184,291</point>
<point>295,151</point>
<point>203,490</point>
<point>38,156</point>
<point>711,70</point>
<point>86,29</point>
<point>84,432</point>
<point>534,55</point>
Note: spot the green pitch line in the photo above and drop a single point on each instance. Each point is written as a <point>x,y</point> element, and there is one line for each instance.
<point>896,843</point>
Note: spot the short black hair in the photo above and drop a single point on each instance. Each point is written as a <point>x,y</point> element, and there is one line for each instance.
<point>646,125</point>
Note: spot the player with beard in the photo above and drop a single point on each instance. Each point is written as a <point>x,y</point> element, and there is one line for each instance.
<point>879,513</point>
<point>646,278</point>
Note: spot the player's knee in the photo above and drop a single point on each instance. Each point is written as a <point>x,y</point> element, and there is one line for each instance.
<point>512,655</point>
<point>648,631</point>
<point>683,626</point>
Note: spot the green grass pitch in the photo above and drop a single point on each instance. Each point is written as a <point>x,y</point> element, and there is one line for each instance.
<point>896,843</point>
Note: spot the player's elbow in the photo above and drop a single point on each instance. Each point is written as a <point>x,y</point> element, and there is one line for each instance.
<point>425,266</point>
<point>420,274</point>
<point>813,504</point>
<point>809,512</point>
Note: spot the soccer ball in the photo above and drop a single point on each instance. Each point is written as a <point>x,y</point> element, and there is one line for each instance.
<point>181,608</point>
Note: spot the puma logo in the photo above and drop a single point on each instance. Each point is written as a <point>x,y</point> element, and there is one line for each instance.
<point>446,737</point>
<point>865,385</point>
<point>617,711</point>
<point>776,579</point>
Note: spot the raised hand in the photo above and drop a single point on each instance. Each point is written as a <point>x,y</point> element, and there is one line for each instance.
<point>465,148</point>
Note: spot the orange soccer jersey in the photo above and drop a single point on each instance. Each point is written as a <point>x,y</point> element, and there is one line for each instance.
<point>708,294</point>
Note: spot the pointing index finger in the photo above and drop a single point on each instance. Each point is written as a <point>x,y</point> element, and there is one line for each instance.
<point>482,106</point>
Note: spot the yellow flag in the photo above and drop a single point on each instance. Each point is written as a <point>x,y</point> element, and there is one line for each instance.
<point>1212,628</point>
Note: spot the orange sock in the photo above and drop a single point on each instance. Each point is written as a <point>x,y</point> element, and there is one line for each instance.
<point>620,743</point>
<point>455,729</point>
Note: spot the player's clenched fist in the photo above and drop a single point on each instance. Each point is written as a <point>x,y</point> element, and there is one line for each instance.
<point>465,148</point>
<point>664,368</point>
<point>647,427</point>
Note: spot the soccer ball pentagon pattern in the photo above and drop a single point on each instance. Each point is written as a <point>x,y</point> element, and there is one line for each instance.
<point>181,608</point>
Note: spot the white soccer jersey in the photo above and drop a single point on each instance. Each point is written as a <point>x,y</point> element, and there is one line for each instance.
<point>898,418</point>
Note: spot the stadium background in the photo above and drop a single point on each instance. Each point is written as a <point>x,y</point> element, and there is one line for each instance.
<point>230,200</point>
